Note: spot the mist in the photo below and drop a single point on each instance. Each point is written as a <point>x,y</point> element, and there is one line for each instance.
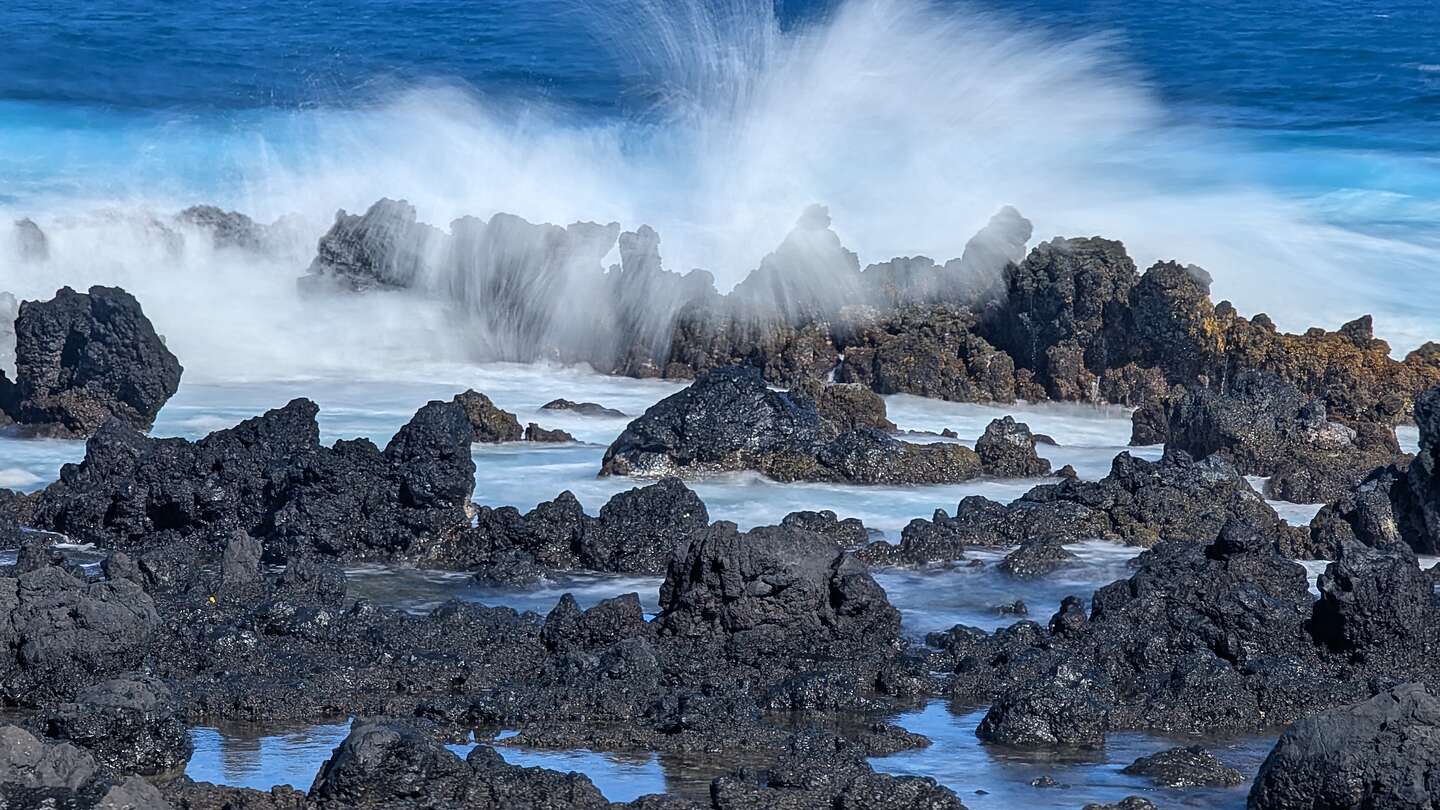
<point>912,123</point>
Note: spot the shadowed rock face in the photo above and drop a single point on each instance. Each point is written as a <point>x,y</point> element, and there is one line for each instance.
<point>1265,426</point>
<point>730,420</point>
<point>82,359</point>
<point>270,476</point>
<point>1378,753</point>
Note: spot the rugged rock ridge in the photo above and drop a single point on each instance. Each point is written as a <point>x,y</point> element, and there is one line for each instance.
<point>1072,320</point>
<point>82,359</point>
<point>269,476</point>
<point>1265,426</point>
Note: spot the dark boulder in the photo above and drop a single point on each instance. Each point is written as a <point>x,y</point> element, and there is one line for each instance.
<point>1036,558</point>
<point>1265,426</point>
<point>1384,752</point>
<point>130,725</point>
<point>848,533</point>
<point>846,406</point>
<point>27,762</point>
<point>638,530</point>
<point>1376,607</point>
<point>535,433</point>
<point>490,423</point>
<point>731,420</point>
<point>819,770</point>
<point>1007,450</point>
<point>774,580</point>
<point>930,352</point>
<point>582,408</point>
<point>1069,708</point>
<point>82,359</point>
<point>65,633</point>
<point>383,765</point>
<point>1065,313</point>
<point>383,249</point>
<point>1185,767</point>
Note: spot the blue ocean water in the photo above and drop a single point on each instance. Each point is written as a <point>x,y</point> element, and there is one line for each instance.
<point>1290,147</point>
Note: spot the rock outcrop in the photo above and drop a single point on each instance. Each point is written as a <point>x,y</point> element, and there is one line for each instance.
<point>731,420</point>
<point>82,359</point>
<point>270,477</point>
<point>1265,426</point>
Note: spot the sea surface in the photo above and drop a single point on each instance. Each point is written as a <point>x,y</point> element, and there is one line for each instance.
<point>1290,147</point>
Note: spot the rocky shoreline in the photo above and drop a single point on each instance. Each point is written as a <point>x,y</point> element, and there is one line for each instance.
<point>221,591</point>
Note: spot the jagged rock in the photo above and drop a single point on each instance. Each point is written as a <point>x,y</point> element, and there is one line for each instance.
<point>1067,709</point>
<point>383,249</point>
<point>931,352</point>
<point>490,423</point>
<point>1065,313</point>
<point>10,505</point>
<point>1378,753</point>
<point>730,420</point>
<point>270,477</point>
<point>1139,503</point>
<point>1185,767</point>
<point>1007,450</point>
<point>84,358</point>
<point>227,229</point>
<point>31,245</point>
<point>535,433</point>
<point>1375,605</point>
<point>1265,426</point>
<point>130,725</point>
<point>1035,558</point>
<point>849,533</point>
<point>1127,803</point>
<point>819,770</point>
<point>638,530</point>
<point>846,407</point>
<point>774,580</point>
<point>582,408</point>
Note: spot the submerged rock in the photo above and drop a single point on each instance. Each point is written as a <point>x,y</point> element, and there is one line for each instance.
<point>535,433</point>
<point>84,358</point>
<point>1185,767</point>
<point>582,408</point>
<point>1379,753</point>
<point>774,581</point>
<point>730,420</point>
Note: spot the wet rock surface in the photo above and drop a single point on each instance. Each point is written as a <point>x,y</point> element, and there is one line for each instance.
<point>582,408</point>
<point>83,359</point>
<point>1185,767</point>
<point>731,420</point>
